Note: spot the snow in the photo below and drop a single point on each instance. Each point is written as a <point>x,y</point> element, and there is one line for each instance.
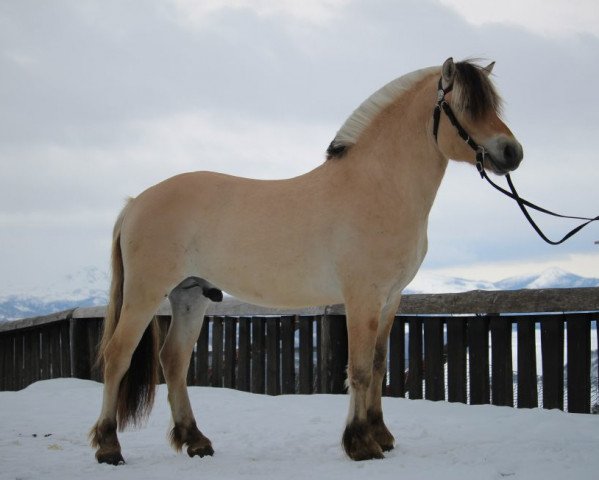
<point>44,427</point>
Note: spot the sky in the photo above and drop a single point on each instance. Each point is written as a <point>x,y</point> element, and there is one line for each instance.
<point>101,99</point>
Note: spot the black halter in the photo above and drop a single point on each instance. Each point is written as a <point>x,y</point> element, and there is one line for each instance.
<point>442,105</point>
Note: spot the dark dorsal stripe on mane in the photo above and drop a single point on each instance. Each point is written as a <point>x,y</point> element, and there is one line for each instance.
<point>473,94</point>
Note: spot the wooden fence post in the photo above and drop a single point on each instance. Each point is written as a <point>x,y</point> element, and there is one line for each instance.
<point>579,363</point>
<point>457,345</point>
<point>81,357</point>
<point>527,364</point>
<point>306,348</point>
<point>478,348</point>
<point>552,350</point>
<point>397,358</point>
<point>288,354</point>
<point>433,359</point>
<point>333,353</point>
<point>416,367</point>
<point>502,381</point>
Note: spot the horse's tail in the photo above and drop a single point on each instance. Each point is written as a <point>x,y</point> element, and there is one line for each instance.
<point>137,388</point>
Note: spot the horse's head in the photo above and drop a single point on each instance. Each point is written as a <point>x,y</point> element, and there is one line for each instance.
<point>472,107</point>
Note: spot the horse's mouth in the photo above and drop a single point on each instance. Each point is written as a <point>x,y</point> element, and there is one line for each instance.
<point>498,168</point>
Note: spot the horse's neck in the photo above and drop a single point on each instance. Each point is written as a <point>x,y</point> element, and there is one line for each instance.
<point>397,154</point>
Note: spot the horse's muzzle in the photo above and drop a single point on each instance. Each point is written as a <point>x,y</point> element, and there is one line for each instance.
<point>505,154</point>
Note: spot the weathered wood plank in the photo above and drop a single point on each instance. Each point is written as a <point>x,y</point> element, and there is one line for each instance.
<point>552,351</point>
<point>37,321</point>
<point>456,360</point>
<point>288,354</point>
<point>94,333</point>
<point>527,363</point>
<point>306,349</point>
<point>216,379</point>
<point>478,349</point>
<point>579,363</point>
<point>434,376</point>
<point>56,353</point>
<point>202,360</point>
<point>46,358</point>
<point>273,356</point>
<point>230,352</point>
<point>6,361</point>
<point>334,353</point>
<point>66,363</point>
<point>258,351</point>
<point>502,377</point>
<point>397,358</point>
<point>415,360</point>
<point>27,358</point>
<point>243,366</point>
<point>35,356</point>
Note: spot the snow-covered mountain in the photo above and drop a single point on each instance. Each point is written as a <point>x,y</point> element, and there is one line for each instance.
<point>84,288</point>
<point>549,278</point>
<point>89,287</point>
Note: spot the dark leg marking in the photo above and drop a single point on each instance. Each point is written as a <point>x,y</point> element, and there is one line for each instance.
<point>197,443</point>
<point>379,431</point>
<point>359,444</point>
<point>103,436</point>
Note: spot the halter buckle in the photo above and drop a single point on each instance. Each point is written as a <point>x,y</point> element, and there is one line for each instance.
<point>480,160</point>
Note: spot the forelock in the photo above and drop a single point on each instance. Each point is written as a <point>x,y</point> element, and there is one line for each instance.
<point>473,91</point>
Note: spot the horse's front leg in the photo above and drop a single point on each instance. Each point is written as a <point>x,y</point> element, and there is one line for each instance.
<point>362,326</point>
<point>378,429</point>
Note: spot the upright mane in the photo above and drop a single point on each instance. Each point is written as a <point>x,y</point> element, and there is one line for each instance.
<point>473,93</point>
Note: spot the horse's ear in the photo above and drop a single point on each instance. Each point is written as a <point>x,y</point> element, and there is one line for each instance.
<point>489,68</point>
<point>448,73</point>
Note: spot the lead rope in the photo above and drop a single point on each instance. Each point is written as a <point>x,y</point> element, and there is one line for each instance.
<point>442,105</point>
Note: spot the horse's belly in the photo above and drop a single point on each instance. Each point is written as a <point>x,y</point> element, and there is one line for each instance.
<point>280,287</point>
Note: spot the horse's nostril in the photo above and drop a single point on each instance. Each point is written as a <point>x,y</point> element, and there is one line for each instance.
<point>509,153</point>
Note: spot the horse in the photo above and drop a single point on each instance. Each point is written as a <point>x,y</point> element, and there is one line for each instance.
<point>352,231</point>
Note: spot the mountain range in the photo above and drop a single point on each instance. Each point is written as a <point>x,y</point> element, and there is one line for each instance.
<point>89,286</point>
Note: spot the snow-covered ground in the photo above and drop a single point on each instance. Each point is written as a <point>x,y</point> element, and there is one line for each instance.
<point>43,433</point>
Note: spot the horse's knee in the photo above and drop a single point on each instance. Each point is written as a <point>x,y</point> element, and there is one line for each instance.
<point>359,378</point>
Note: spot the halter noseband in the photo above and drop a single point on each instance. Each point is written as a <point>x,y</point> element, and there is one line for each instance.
<point>442,105</point>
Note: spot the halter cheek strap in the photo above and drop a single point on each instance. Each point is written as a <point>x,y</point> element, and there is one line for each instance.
<point>442,105</point>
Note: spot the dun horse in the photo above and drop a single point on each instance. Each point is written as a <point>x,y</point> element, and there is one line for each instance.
<point>352,231</point>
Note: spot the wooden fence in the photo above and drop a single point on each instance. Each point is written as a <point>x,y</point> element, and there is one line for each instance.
<point>454,347</point>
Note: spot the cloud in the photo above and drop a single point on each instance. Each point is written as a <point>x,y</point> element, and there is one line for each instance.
<point>318,12</point>
<point>544,17</point>
<point>102,99</point>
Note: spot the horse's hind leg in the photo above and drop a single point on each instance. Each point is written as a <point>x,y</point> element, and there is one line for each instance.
<point>362,325</point>
<point>378,429</point>
<point>139,306</point>
<point>188,307</point>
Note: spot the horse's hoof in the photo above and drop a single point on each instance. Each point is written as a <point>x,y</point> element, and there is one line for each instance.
<point>359,444</point>
<point>387,447</point>
<point>111,458</point>
<point>380,432</point>
<point>383,437</point>
<point>201,451</point>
